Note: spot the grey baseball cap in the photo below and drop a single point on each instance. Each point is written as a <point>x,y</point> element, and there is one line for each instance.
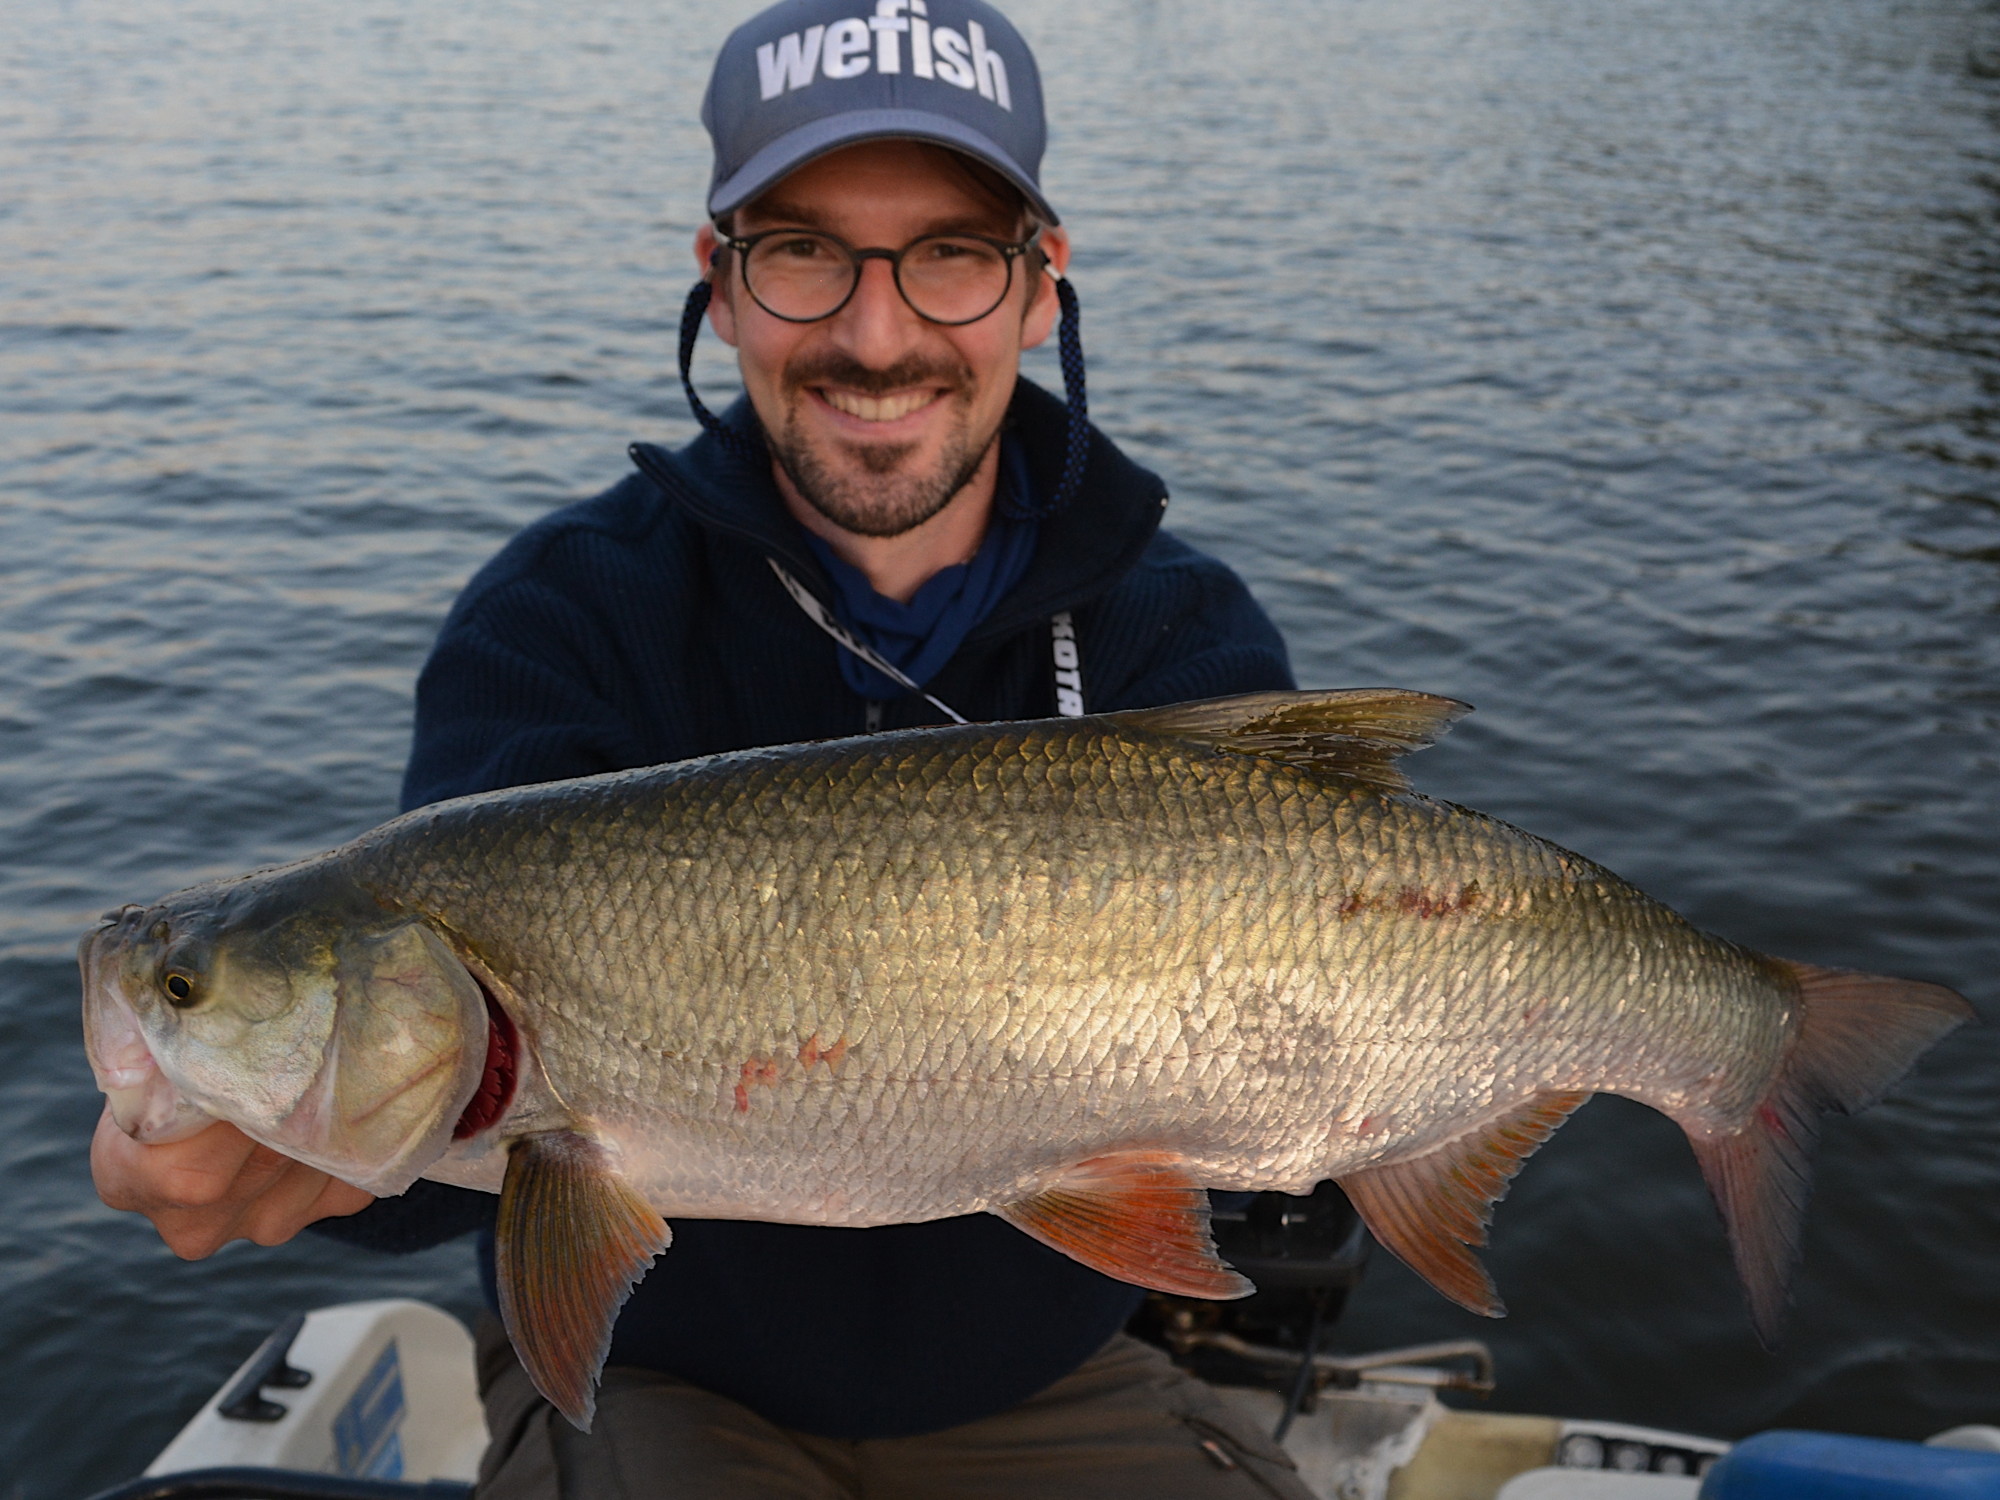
<point>808,76</point>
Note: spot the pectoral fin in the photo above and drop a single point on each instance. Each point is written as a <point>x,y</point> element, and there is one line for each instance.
<point>1134,1215</point>
<point>1429,1212</point>
<point>573,1240</point>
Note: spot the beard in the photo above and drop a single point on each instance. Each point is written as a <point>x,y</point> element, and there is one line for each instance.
<point>877,489</point>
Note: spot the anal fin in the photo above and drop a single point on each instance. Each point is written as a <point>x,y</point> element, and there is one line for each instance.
<point>1138,1216</point>
<point>573,1240</point>
<point>1431,1211</point>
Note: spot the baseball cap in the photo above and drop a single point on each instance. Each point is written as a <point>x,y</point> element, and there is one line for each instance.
<point>806,77</point>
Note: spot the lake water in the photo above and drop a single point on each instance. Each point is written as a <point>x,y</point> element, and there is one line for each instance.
<point>1630,370</point>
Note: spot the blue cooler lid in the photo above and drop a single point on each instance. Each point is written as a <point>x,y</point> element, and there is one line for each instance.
<point>1832,1466</point>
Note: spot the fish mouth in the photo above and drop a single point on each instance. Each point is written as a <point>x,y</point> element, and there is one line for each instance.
<point>144,1101</point>
<point>496,1083</point>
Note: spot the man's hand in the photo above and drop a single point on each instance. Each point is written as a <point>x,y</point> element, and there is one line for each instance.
<point>215,1187</point>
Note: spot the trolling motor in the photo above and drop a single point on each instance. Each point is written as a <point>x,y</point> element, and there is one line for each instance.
<point>1305,1255</point>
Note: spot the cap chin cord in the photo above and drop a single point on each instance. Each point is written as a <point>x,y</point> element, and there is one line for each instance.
<point>743,444</point>
<point>1076,441</point>
<point>1069,343</point>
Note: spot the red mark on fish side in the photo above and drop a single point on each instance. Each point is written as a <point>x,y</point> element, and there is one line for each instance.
<point>757,1070</point>
<point>496,1084</point>
<point>1410,901</point>
<point>1773,1121</point>
<point>812,1052</point>
<point>1426,905</point>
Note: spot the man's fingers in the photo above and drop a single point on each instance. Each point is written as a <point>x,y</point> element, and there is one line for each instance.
<point>339,1199</point>
<point>215,1187</point>
<point>275,1206</point>
<point>196,1172</point>
<point>288,1196</point>
<point>301,1196</point>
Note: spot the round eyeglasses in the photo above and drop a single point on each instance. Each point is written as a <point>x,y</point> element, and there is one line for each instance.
<point>802,275</point>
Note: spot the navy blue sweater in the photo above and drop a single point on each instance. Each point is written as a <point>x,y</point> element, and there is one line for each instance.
<point>645,626</point>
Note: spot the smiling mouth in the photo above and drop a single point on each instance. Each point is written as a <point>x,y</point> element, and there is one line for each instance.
<point>877,408</point>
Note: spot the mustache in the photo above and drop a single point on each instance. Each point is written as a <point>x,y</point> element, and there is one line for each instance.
<point>831,367</point>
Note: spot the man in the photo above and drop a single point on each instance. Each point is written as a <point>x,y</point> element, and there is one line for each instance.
<point>890,530</point>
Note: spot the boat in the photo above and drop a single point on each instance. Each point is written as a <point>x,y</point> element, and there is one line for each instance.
<point>377,1400</point>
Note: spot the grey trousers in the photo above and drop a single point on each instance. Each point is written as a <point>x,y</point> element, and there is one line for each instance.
<point>1128,1425</point>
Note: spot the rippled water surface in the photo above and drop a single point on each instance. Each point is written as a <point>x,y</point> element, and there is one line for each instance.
<point>1631,370</point>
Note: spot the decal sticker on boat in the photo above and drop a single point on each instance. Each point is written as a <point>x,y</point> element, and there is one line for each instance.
<point>367,1435</point>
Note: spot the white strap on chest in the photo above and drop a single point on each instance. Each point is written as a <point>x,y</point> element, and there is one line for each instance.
<point>1062,642</point>
<point>1069,665</point>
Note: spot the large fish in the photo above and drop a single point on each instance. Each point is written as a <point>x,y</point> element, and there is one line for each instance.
<point>1070,972</point>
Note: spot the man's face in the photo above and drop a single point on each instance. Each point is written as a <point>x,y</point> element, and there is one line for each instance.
<point>878,417</point>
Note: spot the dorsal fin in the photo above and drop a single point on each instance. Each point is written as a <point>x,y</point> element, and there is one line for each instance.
<point>1357,733</point>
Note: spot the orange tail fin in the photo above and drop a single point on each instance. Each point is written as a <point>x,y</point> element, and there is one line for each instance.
<point>1858,1033</point>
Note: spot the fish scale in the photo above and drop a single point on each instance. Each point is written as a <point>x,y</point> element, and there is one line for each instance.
<point>1070,972</point>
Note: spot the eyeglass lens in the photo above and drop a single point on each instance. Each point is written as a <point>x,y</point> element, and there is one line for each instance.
<point>945,278</point>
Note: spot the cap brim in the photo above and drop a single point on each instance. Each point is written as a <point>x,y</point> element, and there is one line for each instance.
<point>791,151</point>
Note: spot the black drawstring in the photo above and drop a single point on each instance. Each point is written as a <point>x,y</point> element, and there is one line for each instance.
<point>1076,444</point>
<point>738,442</point>
<point>1069,340</point>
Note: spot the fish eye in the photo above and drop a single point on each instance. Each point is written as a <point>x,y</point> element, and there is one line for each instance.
<point>180,988</point>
